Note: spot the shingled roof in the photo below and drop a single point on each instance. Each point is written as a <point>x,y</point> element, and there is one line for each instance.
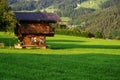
<point>37,16</point>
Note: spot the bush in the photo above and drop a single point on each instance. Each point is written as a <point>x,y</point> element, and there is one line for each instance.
<point>72,32</point>
<point>98,35</point>
<point>117,37</point>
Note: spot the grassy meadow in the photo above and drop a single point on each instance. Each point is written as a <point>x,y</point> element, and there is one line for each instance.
<point>93,4</point>
<point>68,58</point>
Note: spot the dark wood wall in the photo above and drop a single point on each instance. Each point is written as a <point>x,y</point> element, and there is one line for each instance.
<point>35,28</point>
<point>33,33</point>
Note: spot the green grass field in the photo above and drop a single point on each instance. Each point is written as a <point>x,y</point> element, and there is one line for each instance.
<point>69,58</point>
<point>93,4</point>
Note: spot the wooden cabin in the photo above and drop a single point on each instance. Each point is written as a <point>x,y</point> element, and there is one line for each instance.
<point>33,27</point>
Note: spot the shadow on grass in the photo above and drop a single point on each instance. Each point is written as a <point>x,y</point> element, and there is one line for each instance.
<point>8,41</point>
<point>64,45</point>
<point>61,40</point>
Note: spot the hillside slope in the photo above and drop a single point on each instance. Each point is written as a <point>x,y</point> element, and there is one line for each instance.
<point>92,15</point>
<point>105,21</point>
<point>65,8</point>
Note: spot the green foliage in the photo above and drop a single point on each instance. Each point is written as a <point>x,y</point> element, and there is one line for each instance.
<point>98,35</point>
<point>7,21</point>
<point>110,3</point>
<point>72,32</point>
<point>92,15</point>
<point>105,21</point>
<point>65,8</point>
<point>8,38</point>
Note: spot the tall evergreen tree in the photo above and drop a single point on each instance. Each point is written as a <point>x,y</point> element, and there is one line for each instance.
<point>7,20</point>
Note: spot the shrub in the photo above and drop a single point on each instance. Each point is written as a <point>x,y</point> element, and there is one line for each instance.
<point>72,32</point>
<point>117,37</point>
<point>98,35</point>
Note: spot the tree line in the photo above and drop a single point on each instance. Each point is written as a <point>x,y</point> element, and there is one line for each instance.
<point>105,21</point>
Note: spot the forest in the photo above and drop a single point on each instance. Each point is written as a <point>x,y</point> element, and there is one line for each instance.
<point>65,8</point>
<point>98,16</point>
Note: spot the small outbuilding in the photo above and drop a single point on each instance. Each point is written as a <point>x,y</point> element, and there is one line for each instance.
<point>33,27</point>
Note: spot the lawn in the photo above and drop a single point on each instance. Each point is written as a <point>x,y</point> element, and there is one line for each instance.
<point>68,58</point>
<point>93,4</point>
